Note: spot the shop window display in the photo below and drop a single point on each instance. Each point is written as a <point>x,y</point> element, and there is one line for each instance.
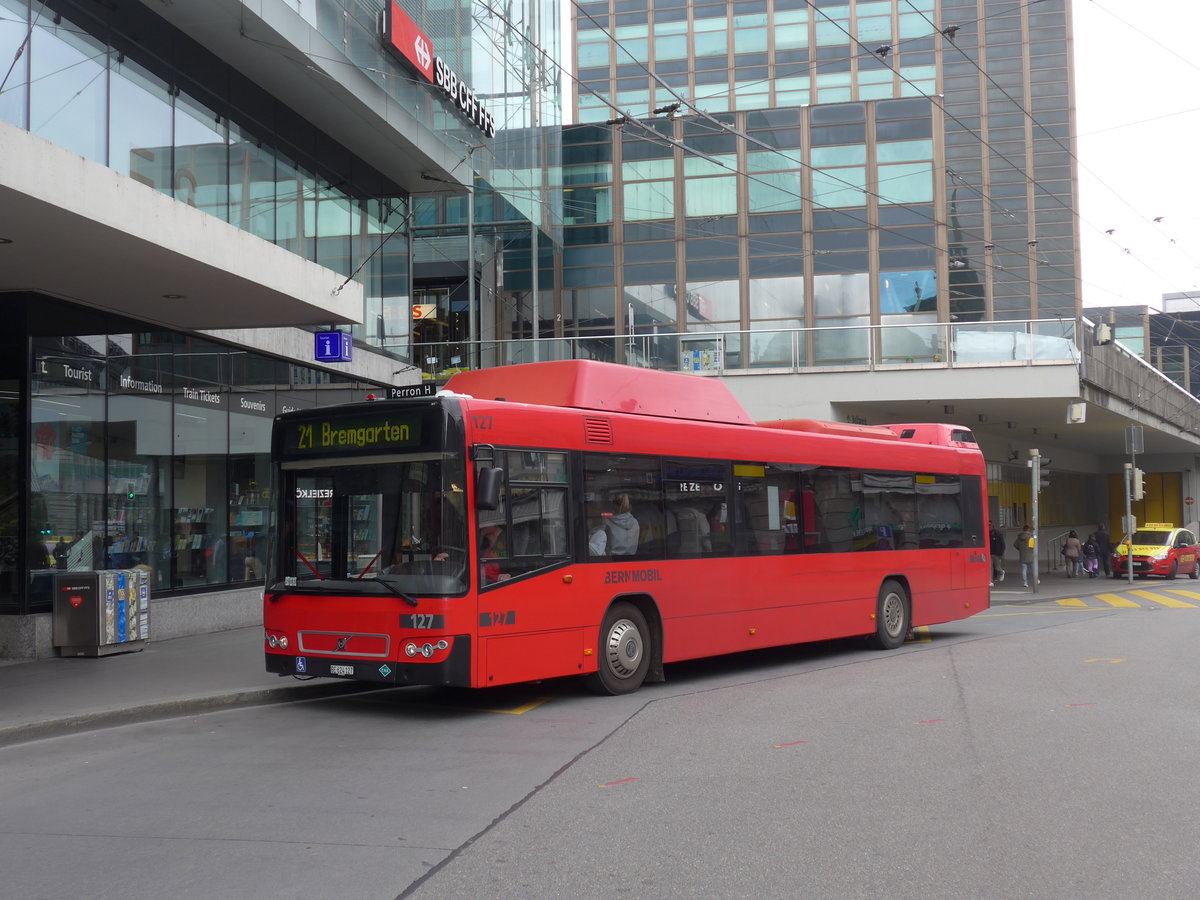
<point>151,451</point>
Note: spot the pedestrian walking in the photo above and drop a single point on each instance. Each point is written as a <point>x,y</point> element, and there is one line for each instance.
<point>1105,545</point>
<point>1072,551</point>
<point>1091,556</point>
<point>1024,547</point>
<point>996,540</point>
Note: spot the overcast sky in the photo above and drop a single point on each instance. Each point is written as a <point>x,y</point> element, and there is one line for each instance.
<point>1138,99</point>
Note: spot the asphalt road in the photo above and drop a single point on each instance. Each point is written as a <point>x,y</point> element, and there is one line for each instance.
<point>1032,751</point>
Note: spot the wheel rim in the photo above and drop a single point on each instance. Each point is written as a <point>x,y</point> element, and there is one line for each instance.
<point>893,614</point>
<point>623,649</point>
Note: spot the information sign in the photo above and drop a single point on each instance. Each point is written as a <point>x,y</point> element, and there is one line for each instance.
<point>332,346</point>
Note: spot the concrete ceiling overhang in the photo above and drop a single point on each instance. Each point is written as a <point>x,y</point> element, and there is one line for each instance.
<point>1011,407</point>
<point>272,44</point>
<point>78,230</point>
<point>1025,422</point>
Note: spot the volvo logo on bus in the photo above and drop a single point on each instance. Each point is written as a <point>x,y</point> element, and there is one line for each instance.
<point>414,47</point>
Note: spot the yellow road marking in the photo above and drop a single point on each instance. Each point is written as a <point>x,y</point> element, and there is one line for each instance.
<point>520,710</point>
<point>1164,600</point>
<point>920,635</point>
<point>1071,601</point>
<point>1182,593</point>
<point>1117,600</point>
<point>1033,612</point>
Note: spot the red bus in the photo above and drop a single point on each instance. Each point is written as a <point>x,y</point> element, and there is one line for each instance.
<point>585,518</point>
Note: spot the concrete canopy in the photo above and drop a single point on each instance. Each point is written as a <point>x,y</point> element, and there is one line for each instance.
<point>78,230</point>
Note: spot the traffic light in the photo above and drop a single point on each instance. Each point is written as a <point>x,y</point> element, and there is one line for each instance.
<point>1139,485</point>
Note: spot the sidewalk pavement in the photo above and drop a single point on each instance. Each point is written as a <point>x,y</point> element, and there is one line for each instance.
<point>204,672</point>
<point>201,673</point>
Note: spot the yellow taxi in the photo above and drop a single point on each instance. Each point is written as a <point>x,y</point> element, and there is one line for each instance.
<point>1159,548</point>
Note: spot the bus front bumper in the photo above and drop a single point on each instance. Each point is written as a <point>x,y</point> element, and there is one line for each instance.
<point>454,670</point>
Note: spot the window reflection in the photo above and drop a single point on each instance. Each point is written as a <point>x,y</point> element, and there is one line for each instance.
<point>712,301</point>
<point>777,298</point>
<point>917,343</point>
<point>68,91</point>
<point>201,176</point>
<point>844,341</point>
<point>650,306</point>
<point>839,295</point>
<point>139,137</point>
<point>908,292</point>
<point>14,17</point>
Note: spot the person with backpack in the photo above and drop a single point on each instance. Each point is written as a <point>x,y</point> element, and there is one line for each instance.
<point>1091,556</point>
<point>1105,544</point>
<point>1024,548</point>
<point>996,543</point>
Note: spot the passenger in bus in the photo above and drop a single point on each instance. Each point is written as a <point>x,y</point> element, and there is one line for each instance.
<point>694,531</point>
<point>492,546</point>
<point>597,538</point>
<point>621,528</point>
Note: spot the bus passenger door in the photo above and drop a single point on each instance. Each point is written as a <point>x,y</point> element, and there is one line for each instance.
<point>524,613</point>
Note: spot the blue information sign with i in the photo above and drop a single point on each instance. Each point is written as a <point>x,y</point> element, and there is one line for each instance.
<point>332,346</point>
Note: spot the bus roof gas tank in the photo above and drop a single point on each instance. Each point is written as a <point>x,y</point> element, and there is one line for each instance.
<point>605,387</point>
<point>840,429</point>
<point>938,434</point>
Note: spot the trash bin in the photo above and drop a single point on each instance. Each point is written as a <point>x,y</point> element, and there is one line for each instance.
<point>99,613</point>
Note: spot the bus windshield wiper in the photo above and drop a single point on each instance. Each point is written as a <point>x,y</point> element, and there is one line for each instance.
<point>407,598</point>
<point>347,586</point>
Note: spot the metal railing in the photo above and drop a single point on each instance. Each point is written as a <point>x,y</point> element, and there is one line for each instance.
<point>784,350</point>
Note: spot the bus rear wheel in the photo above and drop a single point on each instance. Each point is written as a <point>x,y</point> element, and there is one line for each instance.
<point>893,616</point>
<point>624,651</point>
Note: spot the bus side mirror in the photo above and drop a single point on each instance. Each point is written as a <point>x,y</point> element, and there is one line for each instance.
<point>487,488</point>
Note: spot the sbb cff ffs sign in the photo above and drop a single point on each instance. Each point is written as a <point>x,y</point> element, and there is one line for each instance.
<point>415,48</point>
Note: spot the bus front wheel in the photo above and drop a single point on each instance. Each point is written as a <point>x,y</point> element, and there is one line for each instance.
<point>624,651</point>
<point>893,617</point>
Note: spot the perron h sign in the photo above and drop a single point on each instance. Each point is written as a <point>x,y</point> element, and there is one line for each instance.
<point>413,46</point>
<point>331,346</point>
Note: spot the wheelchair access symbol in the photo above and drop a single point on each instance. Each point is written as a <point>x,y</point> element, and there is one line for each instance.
<point>301,664</point>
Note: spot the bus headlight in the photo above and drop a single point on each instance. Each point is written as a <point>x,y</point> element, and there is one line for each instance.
<point>277,641</point>
<point>426,650</point>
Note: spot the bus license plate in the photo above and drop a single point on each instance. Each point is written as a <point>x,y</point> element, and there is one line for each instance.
<point>341,670</point>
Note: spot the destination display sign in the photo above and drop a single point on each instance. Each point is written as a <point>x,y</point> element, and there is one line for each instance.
<point>337,435</point>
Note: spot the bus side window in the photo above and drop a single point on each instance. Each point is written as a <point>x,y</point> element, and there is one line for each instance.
<point>532,513</point>
<point>621,492</point>
<point>765,509</point>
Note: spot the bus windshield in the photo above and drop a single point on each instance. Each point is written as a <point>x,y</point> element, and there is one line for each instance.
<point>383,525</point>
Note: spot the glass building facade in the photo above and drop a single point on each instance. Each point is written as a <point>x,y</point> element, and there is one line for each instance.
<point>145,448</point>
<point>759,165</point>
<point>131,444</point>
